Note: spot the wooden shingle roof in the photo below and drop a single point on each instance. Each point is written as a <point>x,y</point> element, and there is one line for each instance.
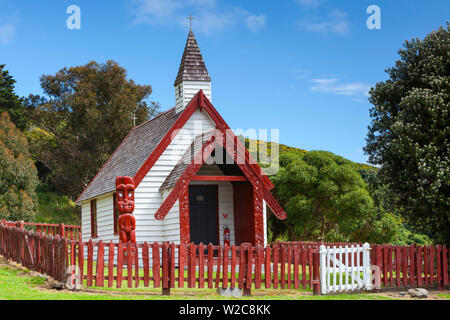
<point>131,154</point>
<point>192,66</point>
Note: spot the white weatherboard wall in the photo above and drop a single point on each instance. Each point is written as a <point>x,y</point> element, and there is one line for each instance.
<point>148,198</point>
<point>186,90</point>
<point>105,219</point>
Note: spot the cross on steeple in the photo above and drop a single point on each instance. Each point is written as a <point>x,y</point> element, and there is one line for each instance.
<point>190,18</point>
<point>134,119</point>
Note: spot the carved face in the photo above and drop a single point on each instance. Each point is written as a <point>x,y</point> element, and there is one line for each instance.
<point>125,194</point>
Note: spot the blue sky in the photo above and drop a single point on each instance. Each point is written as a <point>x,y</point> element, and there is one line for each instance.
<point>301,66</point>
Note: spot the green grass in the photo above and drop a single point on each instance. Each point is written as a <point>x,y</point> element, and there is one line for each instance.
<point>444,295</point>
<point>19,285</point>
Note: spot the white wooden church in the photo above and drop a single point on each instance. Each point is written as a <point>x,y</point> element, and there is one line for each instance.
<point>192,184</point>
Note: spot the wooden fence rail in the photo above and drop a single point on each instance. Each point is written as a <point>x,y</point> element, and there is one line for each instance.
<point>35,251</point>
<point>62,230</point>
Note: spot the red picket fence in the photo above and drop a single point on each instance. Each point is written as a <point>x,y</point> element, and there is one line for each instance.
<point>198,266</point>
<point>166,265</point>
<point>412,266</point>
<point>35,251</point>
<point>62,230</point>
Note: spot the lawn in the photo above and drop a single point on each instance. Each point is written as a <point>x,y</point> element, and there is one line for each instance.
<point>18,284</point>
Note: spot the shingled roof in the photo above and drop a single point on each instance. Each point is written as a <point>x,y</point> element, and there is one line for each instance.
<point>131,154</point>
<point>192,66</point>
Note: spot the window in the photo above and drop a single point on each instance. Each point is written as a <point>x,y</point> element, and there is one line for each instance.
<point>115,215</point>
<point>94,219</point>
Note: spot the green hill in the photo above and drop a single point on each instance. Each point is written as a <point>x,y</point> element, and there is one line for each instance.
<point>55,208</point>
<point>284,148</point>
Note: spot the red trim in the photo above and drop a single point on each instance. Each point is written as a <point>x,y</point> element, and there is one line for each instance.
<point>164,143</point>
<point>197,163</point>
<point>214,114</point>
<point>183,182</point>
<point>185,233</point>
<point>219,178</point>
<point>198,101</point>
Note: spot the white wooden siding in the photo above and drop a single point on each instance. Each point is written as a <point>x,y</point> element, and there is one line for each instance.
<point>188,90</point>
<point>105,219</point>
<point>147,195</point>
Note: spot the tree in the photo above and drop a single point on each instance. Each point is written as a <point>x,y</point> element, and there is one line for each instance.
<point>326,199</point>
<point>11,102</point>
<point>87,113</point>
<point>409,134</point>
<point>18,175</point>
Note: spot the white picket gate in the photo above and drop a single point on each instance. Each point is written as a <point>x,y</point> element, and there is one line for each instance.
<point>345,268</point>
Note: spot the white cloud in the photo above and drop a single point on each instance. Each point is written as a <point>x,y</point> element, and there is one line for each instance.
<point>336,22</point>
<point>209,15</point>
<point>9,17</point>
<point>255,22</point>
<point>335,86</point>
<point>7,32</point>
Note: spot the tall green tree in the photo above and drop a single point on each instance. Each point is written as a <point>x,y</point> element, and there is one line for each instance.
<point>326,199</point>
<point>85,115</point>
<point>10,101</point>
<point>18,175</point>
<point>409,137</point>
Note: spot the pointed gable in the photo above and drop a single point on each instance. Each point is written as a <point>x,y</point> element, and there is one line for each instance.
<point>192,66</point>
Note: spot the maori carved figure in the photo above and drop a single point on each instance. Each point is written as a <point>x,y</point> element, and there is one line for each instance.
<point>125,203</point>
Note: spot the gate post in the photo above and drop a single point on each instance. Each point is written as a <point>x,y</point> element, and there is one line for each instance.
<point>246,292</point>
<point>316,278</point>
<point>323,269</point>
<point>367,274</point>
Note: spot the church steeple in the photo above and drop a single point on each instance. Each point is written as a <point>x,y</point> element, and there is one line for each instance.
<point>192,75</point>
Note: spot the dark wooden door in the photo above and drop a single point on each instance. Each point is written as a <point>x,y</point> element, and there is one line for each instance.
<point>203,212</point>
